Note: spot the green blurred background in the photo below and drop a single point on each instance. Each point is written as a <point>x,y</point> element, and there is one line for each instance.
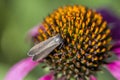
<point>18,16</point>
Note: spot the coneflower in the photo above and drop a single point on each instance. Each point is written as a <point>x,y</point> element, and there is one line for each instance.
<point>87,44</point>
<point>86,41</point>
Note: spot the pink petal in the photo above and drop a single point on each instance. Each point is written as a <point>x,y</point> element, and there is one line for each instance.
<point>116,49</point>
<point>117,52</point>
<point>34,32</point>
<point>114,68</point>
<point>108,15</point>
<point>49,76</point>
<point>115,31</point>
<point>92,77</point>
<point>21,69</point>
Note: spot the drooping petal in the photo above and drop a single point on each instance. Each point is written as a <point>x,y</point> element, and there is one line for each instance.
<point>117,52</point>
<point>49,76</point>
<point>114,69</point>
<point>93,77</point>
<point>32,33</point>
<point>108,15</point>
<point>115,31</point>
<point>116,49</point>
<point>21,69</point>
<point>113,19</point>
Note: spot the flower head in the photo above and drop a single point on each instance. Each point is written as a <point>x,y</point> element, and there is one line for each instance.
<point>88,42</point>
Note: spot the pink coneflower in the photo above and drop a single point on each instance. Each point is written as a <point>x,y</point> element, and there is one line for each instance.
<point>88,43</point>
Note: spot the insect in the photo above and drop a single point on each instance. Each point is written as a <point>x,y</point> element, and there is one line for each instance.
<point>44,48</point>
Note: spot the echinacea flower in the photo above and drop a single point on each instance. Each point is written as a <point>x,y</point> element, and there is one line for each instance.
<point>88,43</point>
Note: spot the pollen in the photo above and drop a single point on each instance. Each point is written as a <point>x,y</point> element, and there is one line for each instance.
<point>86,41</point>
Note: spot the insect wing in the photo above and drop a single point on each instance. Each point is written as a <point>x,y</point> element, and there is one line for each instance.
<point>44,48</point>
<point>44,53</point>
<point>48,48</point>
<point>34,50</point>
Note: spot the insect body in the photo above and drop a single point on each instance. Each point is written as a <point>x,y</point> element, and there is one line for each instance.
<point>44,48</point>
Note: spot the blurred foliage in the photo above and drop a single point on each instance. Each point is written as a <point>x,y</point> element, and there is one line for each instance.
<point>18,16</point>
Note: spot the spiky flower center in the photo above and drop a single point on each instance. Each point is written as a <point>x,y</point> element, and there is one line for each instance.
<point>86,41</point>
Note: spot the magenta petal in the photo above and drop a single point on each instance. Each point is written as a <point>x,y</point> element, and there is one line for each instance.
<point>49,76</point>
<point>117,52</point>
<point>116,49</point>
<point>115,31</point>
<point>93,77</point>
<point>108,15</point>
<point>114,68</point>
<point>34,31</point>
<point>21,69</point>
